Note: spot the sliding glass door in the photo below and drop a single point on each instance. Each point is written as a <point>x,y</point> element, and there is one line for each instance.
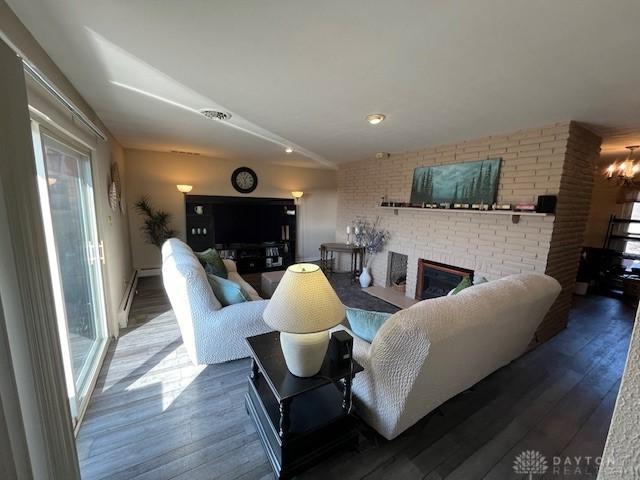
<point>75,256</point>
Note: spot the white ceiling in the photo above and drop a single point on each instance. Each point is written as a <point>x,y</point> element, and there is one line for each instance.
<point>307,73</point>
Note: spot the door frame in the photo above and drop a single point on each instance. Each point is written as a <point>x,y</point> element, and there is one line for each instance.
<point>28,307</point>
<point>79,401</point>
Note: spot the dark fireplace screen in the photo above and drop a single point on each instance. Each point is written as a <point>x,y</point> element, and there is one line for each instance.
<point>437,279</point>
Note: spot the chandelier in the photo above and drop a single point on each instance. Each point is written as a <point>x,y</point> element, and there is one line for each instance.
<point>624,172</point>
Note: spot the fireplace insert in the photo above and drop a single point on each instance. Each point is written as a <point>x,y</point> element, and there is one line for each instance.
<point>437,279</point>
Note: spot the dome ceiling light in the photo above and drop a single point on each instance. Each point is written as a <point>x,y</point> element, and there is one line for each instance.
<point>375,118</point>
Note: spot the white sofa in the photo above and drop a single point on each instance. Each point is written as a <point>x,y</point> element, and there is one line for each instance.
<point>430,352</point>
<point>211,333</point>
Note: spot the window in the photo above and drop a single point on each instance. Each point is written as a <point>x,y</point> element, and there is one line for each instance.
<point>633,246</point>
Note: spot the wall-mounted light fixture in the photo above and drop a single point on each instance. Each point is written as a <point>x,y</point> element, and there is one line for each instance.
<point>297,195</point>
<point>184,188</point>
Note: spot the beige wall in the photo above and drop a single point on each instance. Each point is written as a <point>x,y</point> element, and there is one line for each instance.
<point>156,174</point>
<point>603,205</point>
<point>114,228</point>
<point>536,161</point>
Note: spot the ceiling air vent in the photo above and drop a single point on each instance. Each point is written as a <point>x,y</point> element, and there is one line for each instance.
<point>184,152</point>
<point>215,114</point>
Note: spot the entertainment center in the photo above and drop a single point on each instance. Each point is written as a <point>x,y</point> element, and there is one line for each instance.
<point>258,233</point>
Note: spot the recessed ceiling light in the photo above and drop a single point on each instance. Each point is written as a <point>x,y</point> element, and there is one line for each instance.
<point>375,119</point>
<point>288,150</point>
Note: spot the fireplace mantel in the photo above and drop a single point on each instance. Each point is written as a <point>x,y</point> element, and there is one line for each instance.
<point>515,216</point>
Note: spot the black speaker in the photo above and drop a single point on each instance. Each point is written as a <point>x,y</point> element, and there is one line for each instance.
<point>340,348</point>
<point>546,204</point>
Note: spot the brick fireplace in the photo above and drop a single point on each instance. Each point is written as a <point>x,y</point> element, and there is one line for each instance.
<point>551,160</point>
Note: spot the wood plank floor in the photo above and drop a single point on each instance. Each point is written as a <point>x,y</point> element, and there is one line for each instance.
<point>154,415</point>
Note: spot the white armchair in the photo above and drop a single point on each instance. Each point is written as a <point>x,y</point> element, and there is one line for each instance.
<point>430,352</point>
<point>211,333</point>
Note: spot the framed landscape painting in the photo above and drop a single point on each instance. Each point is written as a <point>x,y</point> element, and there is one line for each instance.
<point>468,182</point>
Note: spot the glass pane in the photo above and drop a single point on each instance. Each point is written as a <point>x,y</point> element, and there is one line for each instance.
<point>70,201</point>
<point>633,246</point>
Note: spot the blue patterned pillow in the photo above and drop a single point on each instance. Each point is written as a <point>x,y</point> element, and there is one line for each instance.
<point>364,323</point>
<point>226,291</point>
<point>212,262</point>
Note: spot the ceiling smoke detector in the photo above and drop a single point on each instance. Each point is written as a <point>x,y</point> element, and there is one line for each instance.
<point>215,114</point>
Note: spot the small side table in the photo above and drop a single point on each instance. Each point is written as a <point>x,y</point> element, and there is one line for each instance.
<point>326,257</point>
<point>300,421</point>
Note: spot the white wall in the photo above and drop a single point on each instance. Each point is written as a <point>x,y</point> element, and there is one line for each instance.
<point>621,455</point>
<point>156,174</point>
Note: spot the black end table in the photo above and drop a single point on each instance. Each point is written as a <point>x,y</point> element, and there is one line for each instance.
<point>300,421</point>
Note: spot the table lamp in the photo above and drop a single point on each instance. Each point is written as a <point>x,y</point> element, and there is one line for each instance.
<point>303,308</point>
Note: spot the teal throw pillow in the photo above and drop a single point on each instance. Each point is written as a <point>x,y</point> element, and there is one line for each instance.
<point>226,291</point>
<point>464,283</point>
<point>364,323</point>
<point>212,262</point>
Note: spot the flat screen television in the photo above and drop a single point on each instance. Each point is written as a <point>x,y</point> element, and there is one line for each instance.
<point>247,223</point>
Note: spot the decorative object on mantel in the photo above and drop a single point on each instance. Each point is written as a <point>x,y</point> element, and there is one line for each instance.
<point>467,182</point>
<point>348,234</point>
<point>546,203</point>
<point>501,206</point>
<point>479,206</point>
<point>623,173</point>
<point>156,223</point>
<point>372,239</point>
<point>525,207</point>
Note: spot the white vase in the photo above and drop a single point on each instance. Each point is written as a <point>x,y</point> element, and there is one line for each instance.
<point>365,277</point>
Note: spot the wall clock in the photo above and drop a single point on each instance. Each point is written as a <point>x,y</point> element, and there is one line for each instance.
<point>244,180</point>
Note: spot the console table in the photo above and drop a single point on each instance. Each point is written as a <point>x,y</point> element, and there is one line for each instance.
<point>300,421</point>
<point>327,251</point>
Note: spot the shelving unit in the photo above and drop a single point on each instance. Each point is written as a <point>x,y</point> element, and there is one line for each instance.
<point>515,216</point>
<point>616,273</point>
<point>267,241</point>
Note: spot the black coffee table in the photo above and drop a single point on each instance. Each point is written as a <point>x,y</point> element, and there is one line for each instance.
<point>300,421</point>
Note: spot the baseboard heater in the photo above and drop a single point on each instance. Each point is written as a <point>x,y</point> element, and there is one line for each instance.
<point>127,300</point>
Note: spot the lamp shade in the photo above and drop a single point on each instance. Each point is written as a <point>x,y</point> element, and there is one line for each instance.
<point>184,188</point>
<point>304,302</point>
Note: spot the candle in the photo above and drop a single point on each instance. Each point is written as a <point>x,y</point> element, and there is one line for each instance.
<point>356,230</point>
<point>348,229</point>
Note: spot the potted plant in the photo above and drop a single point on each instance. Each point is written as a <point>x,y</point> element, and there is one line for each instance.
<point>156,223</point>
<point>372,238</point>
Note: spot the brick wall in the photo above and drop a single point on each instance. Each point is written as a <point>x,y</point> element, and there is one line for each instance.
<point>572,214</point>
<point>548,160</point>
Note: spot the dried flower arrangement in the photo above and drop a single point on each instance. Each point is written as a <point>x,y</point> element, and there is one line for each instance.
<point>369,236</point>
